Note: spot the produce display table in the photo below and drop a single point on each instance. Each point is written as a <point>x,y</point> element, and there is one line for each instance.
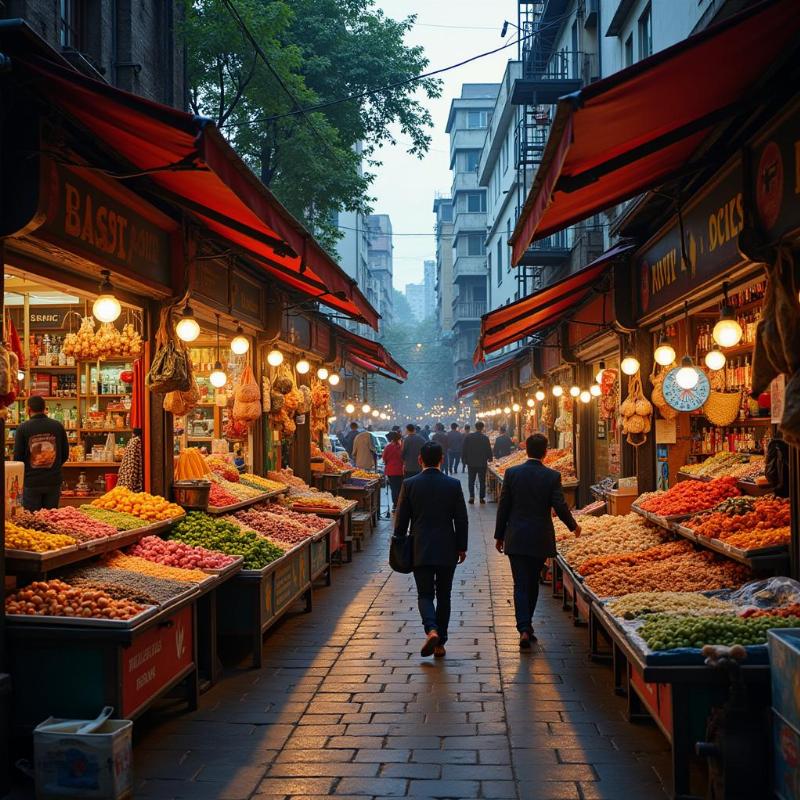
<point>679,698</point>
<point>320,553</point>
<point>73,669</point>
<point>341,537</point>
<point>215,510</point>
<point>494,483</point>
<point>570,487</point>
<point>34,566</point>
<point>744,486</point>
<point>330,481</point>
<point>575,597</point>
<point>254,599</point>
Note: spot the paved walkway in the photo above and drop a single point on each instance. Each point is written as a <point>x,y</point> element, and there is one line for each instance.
<point>344,705</point>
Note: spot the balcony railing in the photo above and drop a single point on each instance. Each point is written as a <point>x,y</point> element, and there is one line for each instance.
<point>546,76</point>
<point>468,310</point>
<point>529,141</point>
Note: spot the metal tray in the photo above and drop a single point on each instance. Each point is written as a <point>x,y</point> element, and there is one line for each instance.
<point>85,622</point>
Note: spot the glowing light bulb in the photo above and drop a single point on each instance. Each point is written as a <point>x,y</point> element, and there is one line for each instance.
<point>302,367</point>
<point>506,410</point>
<point>515,407</point>
<point>350,408</point>
<point>715,359</point>
<point>574,391</point>
<point>366,408</point>
<point>529,401</point>
<point>558,390</point>
<point>106,308</point>
<point>585,396</point>
<point>687,376</point>
<point>599,377</point>
<point>187,329</point>
<point>595,390</point>
<point>375,412</point>
<point>727,332</point>
<point>664,354</point>
<point>539,395</point>
<point>630,365</point>
<point>20,376</point>
<point>333,379</point>
<point>275,358</point>
<point>322,374</point>
<point>240,344</point>
<point>218,378</point>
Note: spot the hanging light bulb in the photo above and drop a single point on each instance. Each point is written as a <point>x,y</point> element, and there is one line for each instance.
<point>599,377</point>
<point>595,390</point>
<point>350,408</point>
<point>20,376</point>
<point>274,358</point>
<point>218,378</point>
<point>506,410</point>
<point>539,395</point>
<point>322,374</point>
<point>366,408</point>
<point>240,344</point>
<point>375,412</point>
<point>585,396</point>
<point>687,376</point>
<point>664,354</point>
<point>558,390</point>
<point>187,329</point>
<point>630,364</point>
<point>515,407</point>
<point>333,379</point>
<point>574,391</point>
<point>106,308</point>
<point>715,359</point>
<point>302,366</point>
<point>727,332</point>
<point>529,402</point>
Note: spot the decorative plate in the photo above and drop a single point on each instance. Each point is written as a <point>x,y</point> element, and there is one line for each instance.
<point>685,399</point>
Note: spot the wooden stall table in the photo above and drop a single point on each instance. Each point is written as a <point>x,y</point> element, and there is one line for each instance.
<point>494,483</point>
<point>320,553</point>
<point>330,481</point>
<point>342,537</point>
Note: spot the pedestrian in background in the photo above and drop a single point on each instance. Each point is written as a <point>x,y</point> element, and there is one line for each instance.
<point>347,441</point>
<point>464,463</point>
<point>433,504</point>
<point>476,454</point>
<point>425,432</point>
<point>364,454</point>
<point>41,444</point>
<point>524,529</point>
<point>455,441</point>
<point>440,437</point>
<point>393,465</point>
<point>412,444</point>
<point>504,444</point>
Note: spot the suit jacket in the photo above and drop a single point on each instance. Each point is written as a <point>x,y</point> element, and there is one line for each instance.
<point>433,504</point>
<point>363,451</point>
<point>503,445</point>
<point>476,450</point>
<point>530,493</point>
<point>412,444</point>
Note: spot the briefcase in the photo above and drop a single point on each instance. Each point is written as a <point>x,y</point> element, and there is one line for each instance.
<point>401,554</point>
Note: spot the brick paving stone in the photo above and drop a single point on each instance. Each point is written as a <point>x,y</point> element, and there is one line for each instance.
<point>345,707</point>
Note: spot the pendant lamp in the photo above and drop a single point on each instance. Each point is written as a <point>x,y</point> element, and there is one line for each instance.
<point>218,378</point>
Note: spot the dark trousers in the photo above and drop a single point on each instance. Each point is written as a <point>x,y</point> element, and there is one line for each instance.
<point>445,463</point>
<point>526,571</point>
<point>395,483</point>
<point>453,457</point>
<point>434,582</point>
<point>480,474</point>
<point>34,498</point>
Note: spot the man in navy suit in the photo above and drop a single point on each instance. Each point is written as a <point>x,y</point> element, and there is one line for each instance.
<point>524,529</point>
<point>433,504</point>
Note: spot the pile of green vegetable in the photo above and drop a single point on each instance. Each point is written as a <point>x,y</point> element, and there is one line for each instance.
<point>201,530</point>
<point>670,631</point>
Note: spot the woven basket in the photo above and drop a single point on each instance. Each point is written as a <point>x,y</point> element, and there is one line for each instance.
<point>722,408</point>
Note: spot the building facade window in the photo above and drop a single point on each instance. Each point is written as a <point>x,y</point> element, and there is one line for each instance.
<point>69,23</point>
<point>477,119</point>
<point>646,33</point>
<point>446,212</point>
<point>499,262</point>
<point>629,50</point>
<point>471,160</point>
<point>470,244</point>
<point>476,202</point>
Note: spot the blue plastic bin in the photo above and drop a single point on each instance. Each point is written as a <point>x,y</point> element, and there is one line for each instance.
<point>784,657</point>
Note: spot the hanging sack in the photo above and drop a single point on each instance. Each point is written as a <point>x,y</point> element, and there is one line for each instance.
<point>247,390</point>
<point>171,369</point>
<point>401,554</point>
<point>722,408</point>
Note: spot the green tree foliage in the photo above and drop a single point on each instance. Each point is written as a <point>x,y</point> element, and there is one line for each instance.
<point>322,50</point>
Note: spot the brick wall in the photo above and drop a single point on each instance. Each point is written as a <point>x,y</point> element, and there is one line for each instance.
<point>133,44</point>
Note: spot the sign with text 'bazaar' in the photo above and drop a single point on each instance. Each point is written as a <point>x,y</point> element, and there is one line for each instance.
<point>103,226</point>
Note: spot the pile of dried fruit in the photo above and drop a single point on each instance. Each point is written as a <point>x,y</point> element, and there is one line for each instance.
<point>688,497</point>
<point>792,610</point>
<point>273,526</point>
<point>122,583</point>
<point>723,463</point>
<point>141,504</point>
<point>287,478</point>
<point>77,522</point>
<point>222,468</point>
<point>35,541</point>
<point>154,569</point>
<point>630,559</point>
<point>262,484</point>
<point>693,603</point>
<point>178,554</point>
<point>58,599</point>
<point>310,522</point>
<point>219,497</point>
<point>742,515</point>
<point>609,534</point>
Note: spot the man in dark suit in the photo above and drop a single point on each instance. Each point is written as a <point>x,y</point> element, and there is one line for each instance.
<point>524,530</point>
<point>433,504</point>
<point>476,453</point>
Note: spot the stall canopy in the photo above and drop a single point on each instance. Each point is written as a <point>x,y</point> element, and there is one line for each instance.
<point>478,380</point>
<point>543,309</point>
<point>369,355</point>
<point>640,127</point>
<point>190,164</point>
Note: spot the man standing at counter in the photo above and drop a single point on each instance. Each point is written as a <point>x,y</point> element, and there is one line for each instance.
<point>41,444</point>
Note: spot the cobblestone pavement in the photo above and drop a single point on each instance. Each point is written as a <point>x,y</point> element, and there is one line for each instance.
<point>344,705</point>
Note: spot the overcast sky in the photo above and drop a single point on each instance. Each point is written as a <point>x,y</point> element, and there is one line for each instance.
<point>405,186</point>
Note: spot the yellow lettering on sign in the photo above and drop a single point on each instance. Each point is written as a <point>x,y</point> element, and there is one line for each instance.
<point>662,273</point>
<point>72,207</point>
<point>725,223</point>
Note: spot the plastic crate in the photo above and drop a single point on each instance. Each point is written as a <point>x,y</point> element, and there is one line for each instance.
<point>784,656</point>
<point>785,758</point>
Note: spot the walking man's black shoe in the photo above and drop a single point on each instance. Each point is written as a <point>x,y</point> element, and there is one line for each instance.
<point>471,501</point>
<point>483,502</point>
<point>525,641</point>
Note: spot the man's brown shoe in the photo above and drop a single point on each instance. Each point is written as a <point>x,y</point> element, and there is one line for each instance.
<point>431,643</point>
<point>439,651</point>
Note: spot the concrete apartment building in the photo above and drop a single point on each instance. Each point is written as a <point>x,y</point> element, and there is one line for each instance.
<point>380,264</point>
<point>429,282</point>
<point>467,125</point>
<point>443,209</point>
<point>415,295</point>
<point>132,44</point>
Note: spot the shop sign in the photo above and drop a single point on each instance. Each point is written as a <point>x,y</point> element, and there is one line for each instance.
<point>49,317</point>
<point>291,579</point>
<point>712,225</point>
<point>296,330</point>
<point>526,373</point>
<point>156,658</point>
<point>98,225</point>
<point>210,281</point>
<point>246,298</point>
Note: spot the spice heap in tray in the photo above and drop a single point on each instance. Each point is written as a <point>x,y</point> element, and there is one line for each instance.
<point>733,465</point>
<point>746,523</point>
<point>689,497</point>
<point>333,464</point>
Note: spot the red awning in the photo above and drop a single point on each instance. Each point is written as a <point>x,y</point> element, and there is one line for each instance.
<point>541,310</point>
<point>483,378</point>
<point>369,355</point>
<point>640,127</point>
<point>190,164</point>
